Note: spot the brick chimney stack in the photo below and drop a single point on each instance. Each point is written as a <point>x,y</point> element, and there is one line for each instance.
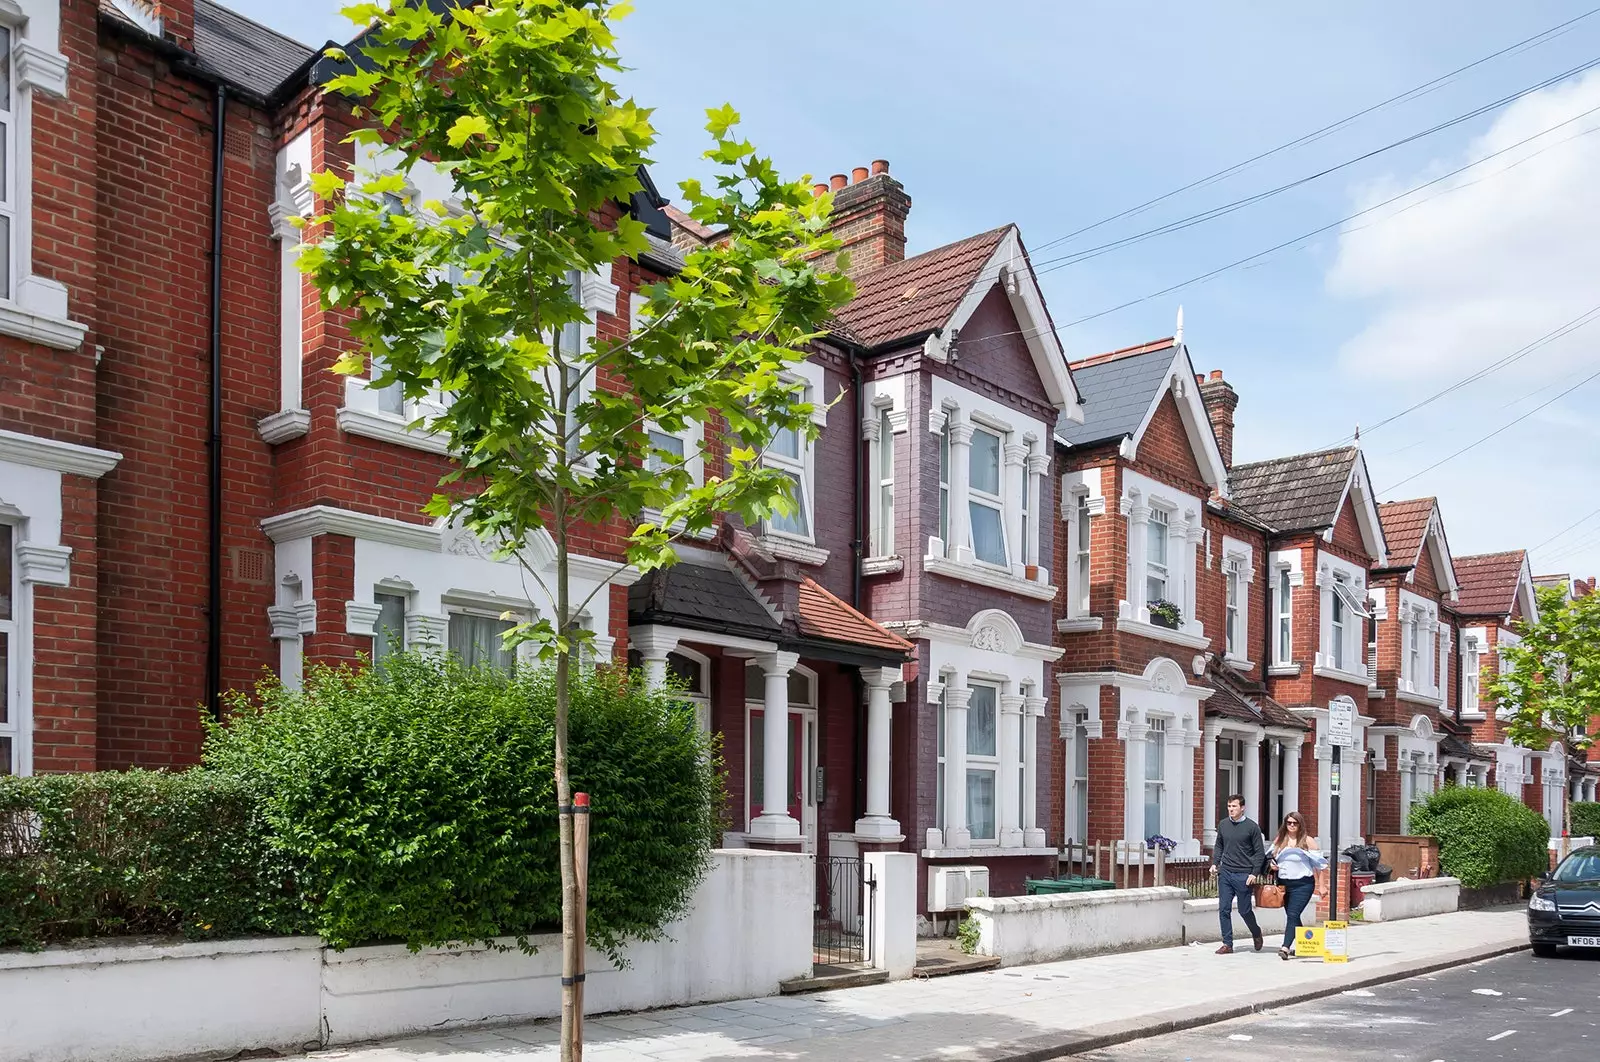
<point>1220,400</point>
<point>869,216</point>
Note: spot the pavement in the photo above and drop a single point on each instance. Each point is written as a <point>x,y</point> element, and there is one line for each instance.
<point>1019,1014</point>
<point>1513,1007</point>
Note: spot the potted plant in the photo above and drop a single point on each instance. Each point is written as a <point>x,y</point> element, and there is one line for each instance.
<point>1166,614</point>
<point>1166,844</point>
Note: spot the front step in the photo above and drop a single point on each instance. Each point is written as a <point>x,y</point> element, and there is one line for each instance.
<point>826,977</point>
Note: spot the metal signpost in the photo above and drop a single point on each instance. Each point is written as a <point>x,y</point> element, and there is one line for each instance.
<point>1341,734</point>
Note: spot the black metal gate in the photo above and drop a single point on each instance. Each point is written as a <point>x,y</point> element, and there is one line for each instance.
<point>842,928</point>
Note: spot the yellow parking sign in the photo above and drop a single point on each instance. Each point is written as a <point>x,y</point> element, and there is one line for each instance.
<point>1335,946</point>
<point>1310,943</point>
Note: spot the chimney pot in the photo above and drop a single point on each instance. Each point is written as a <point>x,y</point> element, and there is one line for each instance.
<point>1199,378</point>
<point>1216,374</point>
<point>880,166</point>
<point>838,181</point>
<point>858,175</point>
<point>819,188</point>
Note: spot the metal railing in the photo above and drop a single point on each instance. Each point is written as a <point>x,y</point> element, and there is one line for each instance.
<point>842,925</point>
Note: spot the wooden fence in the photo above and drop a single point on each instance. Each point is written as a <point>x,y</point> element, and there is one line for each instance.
<point>1135,866</point>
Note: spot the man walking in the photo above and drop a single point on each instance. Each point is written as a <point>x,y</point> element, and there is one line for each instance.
<point>1236,859</point>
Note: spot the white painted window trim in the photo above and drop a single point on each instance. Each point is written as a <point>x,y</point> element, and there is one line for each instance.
<point>1238,560</point>
<point>1472,648</point>
<point>1283,562</point>
<point>12,622</point>
<point>801,548</point>
<point>1333,571</point>
<point>293,199</point>
<point>35,309</point>
<point>1082,499</point>
<point>1141,497</point>
<point>693,436</point>
<point>989,763</point>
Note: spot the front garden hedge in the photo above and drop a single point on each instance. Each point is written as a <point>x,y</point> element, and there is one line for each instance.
<point>410,803</point>
<point>1485,837</point>
<point>1586,819</point>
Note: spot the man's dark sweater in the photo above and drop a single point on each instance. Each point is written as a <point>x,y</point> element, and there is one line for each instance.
<point>1240,848</point>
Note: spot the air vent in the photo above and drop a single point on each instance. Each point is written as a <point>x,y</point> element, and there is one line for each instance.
<point>250,566</point>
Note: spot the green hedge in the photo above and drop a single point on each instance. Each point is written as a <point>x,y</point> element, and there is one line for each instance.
<point>417,801</point>
<point>1586,819</point>
<point>138,852</point>
<point>1485,837</point>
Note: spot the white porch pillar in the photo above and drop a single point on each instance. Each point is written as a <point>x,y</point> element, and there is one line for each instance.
<point>1015,472</point>
<point>654,645</point>
<point>1138,552</point>
<point>775,823</point>
<point>960,545</point>
<point>956,696</point>
<point>1038,465</point>
<point>878,824</point>
<point>1208,814</point>
<point>1133,800</point>
<point>1272,809</point>
<point>1252,779</point>
<point>1009,803</point>
<point>1032,832</point>
<point>1291,776</point>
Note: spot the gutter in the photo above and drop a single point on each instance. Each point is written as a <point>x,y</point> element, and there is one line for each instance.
<point>214,443</point>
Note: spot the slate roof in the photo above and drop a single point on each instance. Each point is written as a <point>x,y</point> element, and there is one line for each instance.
<point>1488,582</point>
<point>702,596</point>
<point>1237,697</point>
<point>243,52</point>
<point>1298,493</point>
<point>1405,526</point>
<point>1452,746</point>
<point>918,294</point>
<point>821,614</point>
<point>1118,389</point>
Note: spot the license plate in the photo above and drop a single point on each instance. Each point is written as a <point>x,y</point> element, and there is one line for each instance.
<point>1583,942</point>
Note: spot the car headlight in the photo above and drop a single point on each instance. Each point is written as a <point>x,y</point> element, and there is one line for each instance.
<point>1541,903</point>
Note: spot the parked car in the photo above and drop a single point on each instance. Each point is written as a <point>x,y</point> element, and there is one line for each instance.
<point>1564,912</point>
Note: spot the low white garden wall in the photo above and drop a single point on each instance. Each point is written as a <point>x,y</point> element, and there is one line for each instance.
<point>750,929</point>
<point>1200,922</point>
<point>1027,929</point>
<point>1408,898</point>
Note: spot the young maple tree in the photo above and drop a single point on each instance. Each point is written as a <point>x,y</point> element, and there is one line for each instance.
<point>1549,683</point>
<point>467,301</point>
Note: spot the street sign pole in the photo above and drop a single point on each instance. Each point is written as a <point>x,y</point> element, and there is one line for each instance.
<point>1333,864</point>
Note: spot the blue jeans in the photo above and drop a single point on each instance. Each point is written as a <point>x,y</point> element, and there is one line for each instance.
<point>1232,886</point>
<point>1296,894</point>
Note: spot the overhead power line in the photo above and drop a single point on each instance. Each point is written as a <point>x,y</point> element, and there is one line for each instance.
<point>1565,530</point>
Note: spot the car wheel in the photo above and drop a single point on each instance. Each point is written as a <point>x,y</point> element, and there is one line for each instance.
<point>1544,950</point>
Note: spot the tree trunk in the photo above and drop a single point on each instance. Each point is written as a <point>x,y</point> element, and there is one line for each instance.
<point>571,1018</point>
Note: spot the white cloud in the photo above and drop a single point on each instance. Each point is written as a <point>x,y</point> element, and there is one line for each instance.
<point>1468,271</point>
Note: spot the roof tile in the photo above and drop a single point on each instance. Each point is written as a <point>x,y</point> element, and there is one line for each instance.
<point>1489,582</point>
<point>918,294</point>
<point>821,614</point>
<point>1405,525</point>
<point>1298,493</point>
<point>1118,390</point>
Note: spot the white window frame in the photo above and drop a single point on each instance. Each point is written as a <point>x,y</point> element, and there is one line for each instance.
<point>32,307</point>
<point>941,746</point>
<point>994,501</point>
<point>801,468</point>
<point>701,701</point>
<point>1238,567</point>
<point>1283,616</point>
<point>11,725</point>
<point>1082,561</point>
<point>405,598</point>
<point>882,500</point>
<point>1078,785</point>
<point>1340,580</point>
<point>1471,675</point>
<point>989,764</point>
<point>9,106</point>
<point>1158,735</point>
<point>944,484</point>
<point>454,609</point>
<point>1161,517</point>
<point>1338,624</point>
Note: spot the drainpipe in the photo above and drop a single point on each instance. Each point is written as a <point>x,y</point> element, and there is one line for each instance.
<point>858,491</point>
<point>214,443</point>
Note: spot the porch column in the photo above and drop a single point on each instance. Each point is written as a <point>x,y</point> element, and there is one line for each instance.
<point>654,644</point>
<point>1252,778</point>
<point>1208,821</point>
<point>1033,711</point>
<point>960,545</point>
<point>775,823</point>
<point>1291,776</point>
<point>877,823</point>
<point>1010,804</point>
<point>956,696</point>
<point>1272,809</point>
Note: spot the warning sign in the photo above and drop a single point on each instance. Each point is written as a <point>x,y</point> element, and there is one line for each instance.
<point>1309,942</point>
<point>1335,947</point>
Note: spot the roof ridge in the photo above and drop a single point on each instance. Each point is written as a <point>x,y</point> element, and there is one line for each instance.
<point>1487,556</point>
<point>1352,448</point>
<point>883,269</point>
<point>1124,352</point>
<point>297,42</point>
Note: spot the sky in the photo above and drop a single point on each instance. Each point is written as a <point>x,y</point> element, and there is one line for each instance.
<point>1465,245</point>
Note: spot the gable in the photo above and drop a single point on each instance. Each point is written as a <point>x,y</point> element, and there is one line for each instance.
<point>1425,576</point>
<point>1164,445</point>
<point>1347,529</point>
<point>992,348</point>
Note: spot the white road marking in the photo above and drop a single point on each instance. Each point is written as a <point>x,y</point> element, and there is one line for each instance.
<point>1502,1036</point>
<point>1357,992</point>
<point>1485,992</point>
<point>1562,1013</point>
<point>1240,1036</point>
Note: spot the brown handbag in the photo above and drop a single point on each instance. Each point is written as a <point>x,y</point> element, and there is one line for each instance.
<point>1269,894</point>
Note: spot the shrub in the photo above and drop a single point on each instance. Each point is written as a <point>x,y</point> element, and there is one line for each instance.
<point>417,800</point>
<point>1485,837</point>
<point>1586,819</point>
<point>138,852</point>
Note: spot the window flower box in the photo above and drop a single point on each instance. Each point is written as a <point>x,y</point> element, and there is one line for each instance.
<point>1166,614</point>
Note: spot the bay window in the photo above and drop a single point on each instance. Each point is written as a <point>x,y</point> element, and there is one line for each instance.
<point>389,632</point>
<point>1080,558</point>
<point>944,485</point>
<point>476,638</point>
<point>883,523</point>
<point>1471,669</point>
<point>984,503</point>
<point>1155,775</point>
<point>9,664</point>
<point>1157,571</point>
<point>1337,622</point>
<point>1285,618</point>
<point>788,452</point>
<point>983,762</point>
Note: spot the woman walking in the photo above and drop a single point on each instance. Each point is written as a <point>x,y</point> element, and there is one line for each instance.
<point>1295,859</point>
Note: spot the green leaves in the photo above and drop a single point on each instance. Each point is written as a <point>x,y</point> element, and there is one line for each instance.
<point>1551,679</point>
<point>465,128</point>
<point>1485,837</point>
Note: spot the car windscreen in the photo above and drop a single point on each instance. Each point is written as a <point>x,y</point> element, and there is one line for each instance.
<point>1580,866</point>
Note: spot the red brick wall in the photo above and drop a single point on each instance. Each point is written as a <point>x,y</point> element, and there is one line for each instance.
<point>64,677</point>
<point>1165,452</point>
